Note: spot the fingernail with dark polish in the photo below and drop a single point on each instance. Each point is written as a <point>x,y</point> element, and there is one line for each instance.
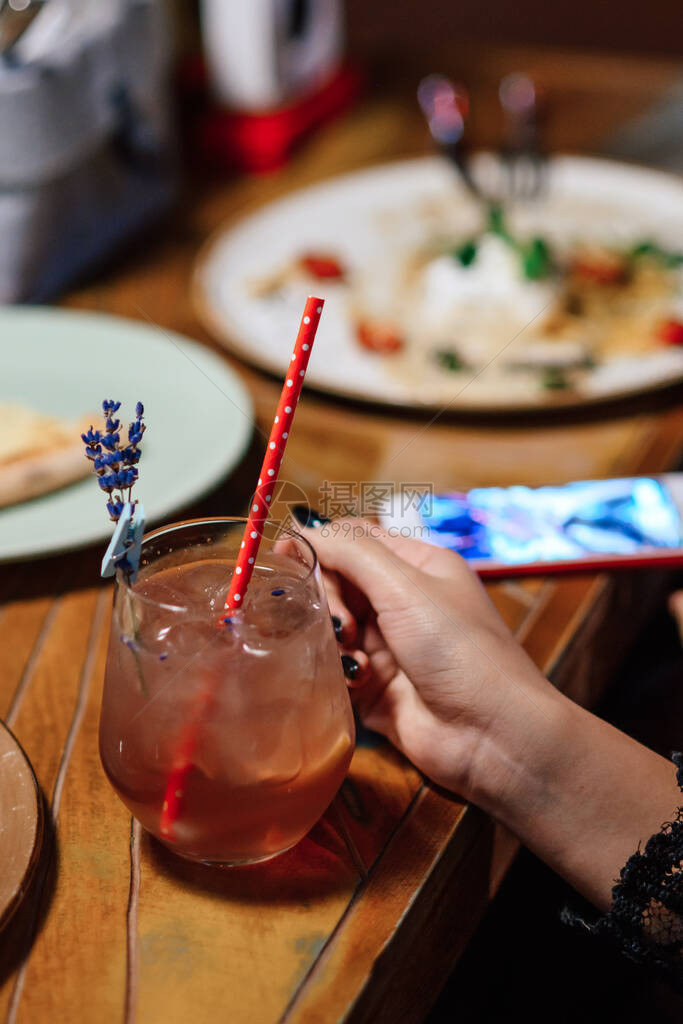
<point>308,516</point>
<point>350,666</point>
<point>337,626</point>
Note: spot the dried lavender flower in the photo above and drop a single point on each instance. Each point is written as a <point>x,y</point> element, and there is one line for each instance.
<point>114,461</point>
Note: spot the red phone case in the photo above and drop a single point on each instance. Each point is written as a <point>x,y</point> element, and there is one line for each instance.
<point>668,560</point>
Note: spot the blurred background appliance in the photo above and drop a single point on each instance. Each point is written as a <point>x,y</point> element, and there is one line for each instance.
<point>273,72</point>
<point>86,148</point>
<point>263,53</point>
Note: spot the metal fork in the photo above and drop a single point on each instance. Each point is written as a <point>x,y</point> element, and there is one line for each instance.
<point>524,164</point>
<point>445,105</point>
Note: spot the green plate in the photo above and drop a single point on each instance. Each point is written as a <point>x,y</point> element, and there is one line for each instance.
<point>198,413</point>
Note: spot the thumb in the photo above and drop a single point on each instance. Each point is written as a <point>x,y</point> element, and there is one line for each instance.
<point>348,547</point>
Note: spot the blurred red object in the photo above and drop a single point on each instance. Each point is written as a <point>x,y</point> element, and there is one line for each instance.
<point>259,142</point>
<point>671,332</point>
<point>380,338</point>
<point>604,269</point>
<point>322,266</point>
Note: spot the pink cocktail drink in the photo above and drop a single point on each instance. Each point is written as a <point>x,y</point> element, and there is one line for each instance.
<point>274,729</point>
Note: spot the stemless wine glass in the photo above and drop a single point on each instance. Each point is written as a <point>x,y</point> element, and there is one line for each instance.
<point>264,694</point>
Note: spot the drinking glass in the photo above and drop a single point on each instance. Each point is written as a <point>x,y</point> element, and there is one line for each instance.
<point>263,695</point>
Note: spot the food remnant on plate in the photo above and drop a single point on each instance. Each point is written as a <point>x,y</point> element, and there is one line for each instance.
<point>536,259</point>
<point>601,267</point>
<point>322,266</point>
<point>653,251</point>
<point>554,379</point>
<point>466,252</point>
<point>379,337</point>
<point>449,359</point>
<point>671,332</point>
<point>533,253</point>
<point>532,307</point>
<point>317,265</point>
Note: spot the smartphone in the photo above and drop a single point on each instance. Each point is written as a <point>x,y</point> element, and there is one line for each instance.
<point>589,524</point>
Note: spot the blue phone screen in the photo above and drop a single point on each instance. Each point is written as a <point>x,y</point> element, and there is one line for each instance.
<point>520,525</point>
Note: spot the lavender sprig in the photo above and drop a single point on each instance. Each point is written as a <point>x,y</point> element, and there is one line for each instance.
<point>115,461</point>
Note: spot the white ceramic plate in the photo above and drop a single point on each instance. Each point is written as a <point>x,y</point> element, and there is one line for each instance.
<point>198,414</point>
<point>363,217</point>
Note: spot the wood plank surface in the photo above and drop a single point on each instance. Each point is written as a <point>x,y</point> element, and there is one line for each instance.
<point>364,919</point>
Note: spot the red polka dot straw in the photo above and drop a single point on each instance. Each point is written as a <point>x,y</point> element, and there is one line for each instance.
<point>258,513</point>
<point>253,532</point>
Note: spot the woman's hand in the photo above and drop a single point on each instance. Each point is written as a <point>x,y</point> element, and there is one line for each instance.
<point>676,610</point>
<point>438,668</point>
<point>443,678</point>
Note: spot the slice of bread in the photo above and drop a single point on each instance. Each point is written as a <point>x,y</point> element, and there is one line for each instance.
<point>38,453</point>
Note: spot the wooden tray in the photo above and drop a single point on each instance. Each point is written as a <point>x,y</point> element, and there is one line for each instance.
<point>21,823</point>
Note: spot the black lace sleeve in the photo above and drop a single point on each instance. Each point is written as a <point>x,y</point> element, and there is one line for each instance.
<point>646,916</point>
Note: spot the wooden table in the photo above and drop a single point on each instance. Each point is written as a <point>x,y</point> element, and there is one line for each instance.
<point>364,919</point>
